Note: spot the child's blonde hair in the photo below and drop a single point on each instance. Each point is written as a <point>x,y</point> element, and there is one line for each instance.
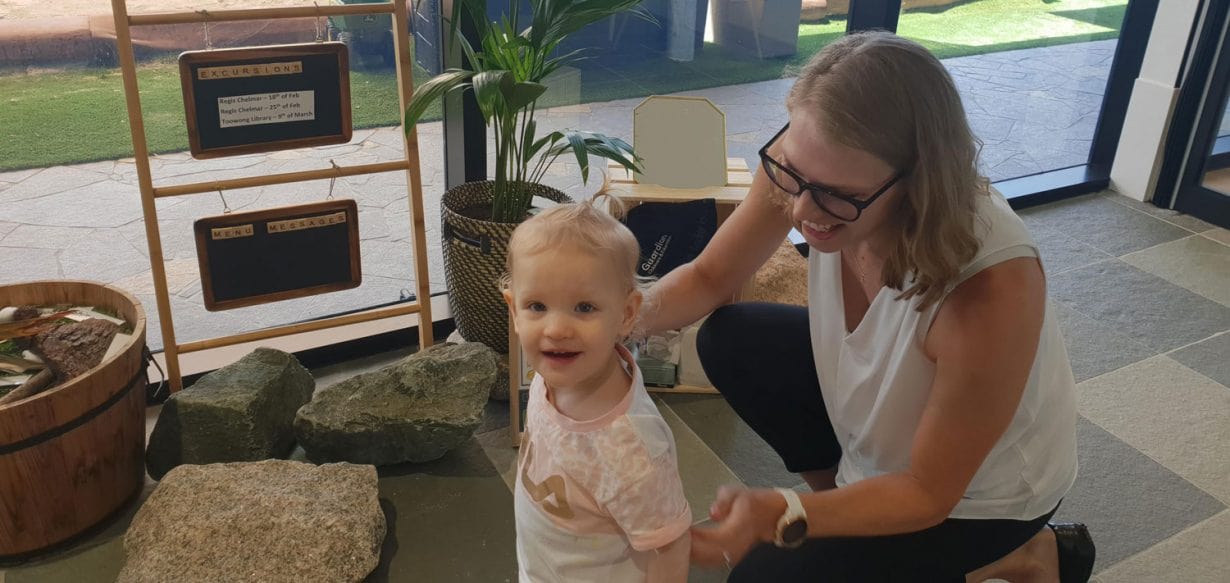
<point>585,226</point>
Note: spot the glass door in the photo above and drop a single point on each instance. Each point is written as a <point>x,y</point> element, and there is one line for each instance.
<point>1199,145</point>
<point>1216,175</point>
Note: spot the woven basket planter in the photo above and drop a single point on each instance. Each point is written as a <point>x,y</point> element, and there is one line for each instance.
<point>475,252</point>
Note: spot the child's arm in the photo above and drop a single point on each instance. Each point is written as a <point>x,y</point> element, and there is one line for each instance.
<point>669,564</point>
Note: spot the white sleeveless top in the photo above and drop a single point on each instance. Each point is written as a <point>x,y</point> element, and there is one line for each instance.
<point>876,382</point>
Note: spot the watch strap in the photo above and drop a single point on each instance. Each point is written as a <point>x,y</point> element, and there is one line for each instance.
<point>794,512</point>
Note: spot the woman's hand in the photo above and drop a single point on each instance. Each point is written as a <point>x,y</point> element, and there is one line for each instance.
<point>745,518</point>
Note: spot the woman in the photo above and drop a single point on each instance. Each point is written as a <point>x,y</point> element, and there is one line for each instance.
<point>925,394</point>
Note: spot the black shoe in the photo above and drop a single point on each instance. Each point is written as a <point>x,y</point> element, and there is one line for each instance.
<point>1076,552</point>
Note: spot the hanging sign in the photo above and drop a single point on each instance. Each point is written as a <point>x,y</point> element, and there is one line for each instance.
<point>278,254</point>
<point>261,99</point>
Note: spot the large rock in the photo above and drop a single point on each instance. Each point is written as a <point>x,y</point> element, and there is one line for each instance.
<point>500,389</point>
<point>241,412</point>
<point>271,521</point>
<point>415,410</point>
<point>72,349</point>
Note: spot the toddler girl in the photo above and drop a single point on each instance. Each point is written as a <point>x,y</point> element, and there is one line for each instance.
<point>598,496</point>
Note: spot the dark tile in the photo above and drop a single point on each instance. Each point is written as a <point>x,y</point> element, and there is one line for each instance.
<point>1129,501</point>
<point>1148,309</point>
<point>744,452</point>
<point>449,520</point>
<point>1095,347</point>
<point>1102,224</point>
<point>1210,358</point>
<point>1177,218</point>
<point>1061,253</point>
<point>495,416</point>
<point>92,564</point>
<point>96,557</point>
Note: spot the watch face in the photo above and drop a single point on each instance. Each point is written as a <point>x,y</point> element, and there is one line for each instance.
<point>795,533</point>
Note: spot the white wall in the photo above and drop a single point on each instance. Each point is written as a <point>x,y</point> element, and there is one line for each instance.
<point>1139,156</point>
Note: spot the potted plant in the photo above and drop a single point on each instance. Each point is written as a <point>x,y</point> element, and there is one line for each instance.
<point>506,72</point>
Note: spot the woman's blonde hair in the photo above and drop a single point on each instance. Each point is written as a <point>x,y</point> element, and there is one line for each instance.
<point>890,97</point>
<point>584,226</point>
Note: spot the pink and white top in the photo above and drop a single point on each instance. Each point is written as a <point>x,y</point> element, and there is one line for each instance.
<point>595,498</point>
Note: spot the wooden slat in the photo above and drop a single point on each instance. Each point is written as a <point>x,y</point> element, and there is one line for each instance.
<point>739,178</point>
<point>737,173</point>
<point>284,178</point>
<point>203,361</point>
<point>149,193</point>
<point>514,384</point>
<point>731,164</point>
<point>157,18</point>
<point>655,193</point>
<point>410,143</point>
<point>411,308</point>
<point>145,181</point>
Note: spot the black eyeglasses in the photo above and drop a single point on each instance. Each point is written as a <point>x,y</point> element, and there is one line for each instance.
<point>841,206</point>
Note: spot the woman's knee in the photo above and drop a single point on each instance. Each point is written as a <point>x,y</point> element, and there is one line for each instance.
<point>719,342</point>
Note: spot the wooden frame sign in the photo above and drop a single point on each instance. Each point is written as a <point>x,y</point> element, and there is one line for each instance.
<point>278,254</point>
<point>520,377</point>
<point>262,99</point>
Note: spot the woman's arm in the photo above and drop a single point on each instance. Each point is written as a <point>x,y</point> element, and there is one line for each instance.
<point>669,564</point>
<point>743,243</point>
<point>983,341</point>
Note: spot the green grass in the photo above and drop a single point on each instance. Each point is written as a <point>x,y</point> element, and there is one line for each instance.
<point>78,115</point>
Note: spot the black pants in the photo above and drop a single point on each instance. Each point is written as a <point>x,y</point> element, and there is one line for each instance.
<point>760,357</point>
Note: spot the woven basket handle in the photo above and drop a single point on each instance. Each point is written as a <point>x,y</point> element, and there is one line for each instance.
<point>481,242</point>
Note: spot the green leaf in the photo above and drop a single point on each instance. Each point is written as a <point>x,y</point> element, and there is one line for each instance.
<point>577,141</point>
<point>489,93</point>
<point>507,77</point>
<point>598,145</point>
<point>521,95</point>
<point>549,139</point>
<point>429,92</point>
<point>476,59</point>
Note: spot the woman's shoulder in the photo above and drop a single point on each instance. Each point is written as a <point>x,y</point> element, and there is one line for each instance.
<point>997,226</point>
<point>1001,234</point>
<point>1006,298</point>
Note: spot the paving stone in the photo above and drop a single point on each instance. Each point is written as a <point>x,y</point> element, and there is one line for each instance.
<point>42,182</point>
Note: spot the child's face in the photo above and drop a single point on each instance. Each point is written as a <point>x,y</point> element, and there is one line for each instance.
<point>569,309</point>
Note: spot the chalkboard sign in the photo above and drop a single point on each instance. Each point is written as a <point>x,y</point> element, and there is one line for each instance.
<point>277,254</point>
<point>240,101</point>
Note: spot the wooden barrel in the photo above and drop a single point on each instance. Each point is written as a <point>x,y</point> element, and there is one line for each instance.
<point>72,456</point>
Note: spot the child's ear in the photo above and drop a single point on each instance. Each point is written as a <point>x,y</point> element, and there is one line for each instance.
<point>512,307</point>
<point>632,308</point>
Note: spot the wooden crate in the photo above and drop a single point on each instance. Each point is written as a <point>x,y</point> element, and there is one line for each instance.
<point>738,181</point>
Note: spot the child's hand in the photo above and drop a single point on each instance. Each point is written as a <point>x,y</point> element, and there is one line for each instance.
<point>744,519</point>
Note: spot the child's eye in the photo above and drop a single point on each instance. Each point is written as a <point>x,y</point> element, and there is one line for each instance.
<point>536,307</point>
<point>586,307</point>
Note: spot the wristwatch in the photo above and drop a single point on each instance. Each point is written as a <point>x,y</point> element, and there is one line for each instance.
<point>792,526</point>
